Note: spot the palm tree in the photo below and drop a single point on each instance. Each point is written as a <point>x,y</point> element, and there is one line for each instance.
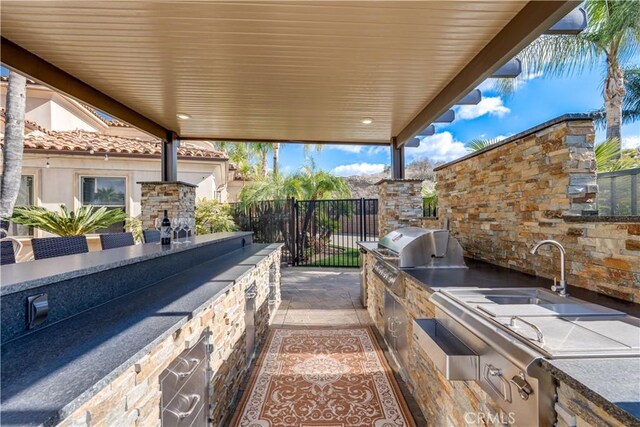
<point>276,157</point>
<point>13,147</point>
<point>275,148</point>
<point>631,102</point>
<point>613,34</point>
<point>86,219</point>
<point>262,149</point>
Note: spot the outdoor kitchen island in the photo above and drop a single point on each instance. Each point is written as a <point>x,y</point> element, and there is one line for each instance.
<point>570,391</point>
<point>135,335</point>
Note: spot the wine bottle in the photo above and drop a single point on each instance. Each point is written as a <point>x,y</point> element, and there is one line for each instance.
<point>165,231</point>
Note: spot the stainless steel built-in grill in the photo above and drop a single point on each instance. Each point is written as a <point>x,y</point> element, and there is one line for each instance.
<point>409,247</point>
<point>414,247</point>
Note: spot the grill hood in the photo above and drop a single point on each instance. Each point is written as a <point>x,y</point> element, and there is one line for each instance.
<point>423,247</point>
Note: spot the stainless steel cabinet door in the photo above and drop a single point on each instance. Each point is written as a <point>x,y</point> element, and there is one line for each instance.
<point>400,332</point>
<point>250,321</point>
<point>389,315</point>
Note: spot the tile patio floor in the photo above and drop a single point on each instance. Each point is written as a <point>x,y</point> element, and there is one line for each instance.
<point>321,297</point>
<point>329,297</point>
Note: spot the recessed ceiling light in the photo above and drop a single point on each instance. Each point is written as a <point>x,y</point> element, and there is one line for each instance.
<point>183,116</point>
<point>367,121</point>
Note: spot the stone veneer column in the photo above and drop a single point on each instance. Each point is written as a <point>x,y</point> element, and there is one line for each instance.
<point>178,198</point>
<point>399,204</point>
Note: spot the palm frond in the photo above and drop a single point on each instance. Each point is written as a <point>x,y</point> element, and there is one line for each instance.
<point>479,144</point>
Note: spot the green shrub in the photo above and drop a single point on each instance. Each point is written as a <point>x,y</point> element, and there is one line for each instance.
<point>213,216</point>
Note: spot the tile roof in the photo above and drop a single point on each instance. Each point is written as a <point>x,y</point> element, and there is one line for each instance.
<point>81,142</point>
<point>28,124</point>
<point>108,122</point>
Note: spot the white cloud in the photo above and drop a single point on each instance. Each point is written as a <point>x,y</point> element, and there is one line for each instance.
<point>492,105</point>
<point>358,169</point>
<point>631,141</point>
<point>355,149</point>
<point>441,147</point>
<point>379,149</point>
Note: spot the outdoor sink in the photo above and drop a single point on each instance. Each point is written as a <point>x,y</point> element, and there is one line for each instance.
<point>527,302</point>
<point>516,300</point>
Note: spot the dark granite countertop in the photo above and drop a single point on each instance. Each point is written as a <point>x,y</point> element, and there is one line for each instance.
<point>611,383</point>
<point>484,275</point>
<point>27,275</point>
<point>47,374</point>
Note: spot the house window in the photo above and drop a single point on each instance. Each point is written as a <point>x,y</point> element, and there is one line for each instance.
<point>105,191</point>
<point>25,198</point>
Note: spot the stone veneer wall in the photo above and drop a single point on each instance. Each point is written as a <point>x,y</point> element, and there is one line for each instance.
<point>503,200</point>
<point>399,204</point>
<point>133,399</point>
<point>178,198</point>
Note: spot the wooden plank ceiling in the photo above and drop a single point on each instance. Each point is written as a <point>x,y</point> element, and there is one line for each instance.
<point>263,70</point>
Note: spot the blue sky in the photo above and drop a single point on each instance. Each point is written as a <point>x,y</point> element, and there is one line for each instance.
<point>538,99</point>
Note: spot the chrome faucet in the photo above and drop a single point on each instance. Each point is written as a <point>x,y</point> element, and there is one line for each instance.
<point>562,287</point>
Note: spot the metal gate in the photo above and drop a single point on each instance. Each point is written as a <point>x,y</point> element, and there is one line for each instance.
<point>321,233</point>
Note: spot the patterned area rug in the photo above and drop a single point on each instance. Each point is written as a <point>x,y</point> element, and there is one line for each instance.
<point>322,377</point>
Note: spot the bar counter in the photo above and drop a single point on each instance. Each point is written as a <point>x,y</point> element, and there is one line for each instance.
<point>57,371</point>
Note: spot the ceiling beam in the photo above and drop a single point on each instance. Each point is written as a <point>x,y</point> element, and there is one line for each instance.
<point>32,66</point>
<point>533,20</point>
<point>283,141</point>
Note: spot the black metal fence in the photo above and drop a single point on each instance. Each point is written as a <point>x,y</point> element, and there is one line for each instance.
<point>618,192</point>
<point>319,233</point>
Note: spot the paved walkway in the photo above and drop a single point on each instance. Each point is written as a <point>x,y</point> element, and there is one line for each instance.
<point>330,297</point>
<point>321,297</point>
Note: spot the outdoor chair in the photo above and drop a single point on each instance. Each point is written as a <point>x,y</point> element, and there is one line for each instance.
<point>116,240</point>
<point>151,236</point>
<point>9,248</point>
<point>50,247</point>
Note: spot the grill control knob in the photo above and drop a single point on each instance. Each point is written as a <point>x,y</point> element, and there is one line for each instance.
<point>524,388</point>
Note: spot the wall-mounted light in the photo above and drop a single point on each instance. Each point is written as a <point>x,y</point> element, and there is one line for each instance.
<point>106,157</point>
<point>47,165</point>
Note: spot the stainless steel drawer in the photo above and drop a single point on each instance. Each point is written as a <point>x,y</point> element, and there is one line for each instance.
<point>190,362</point>
<point>187,407</point>
<point>454,359</point>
